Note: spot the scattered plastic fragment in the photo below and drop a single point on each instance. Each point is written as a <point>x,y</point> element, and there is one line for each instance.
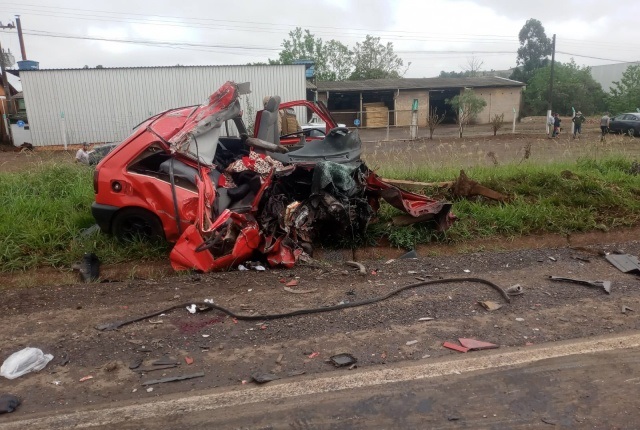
<point>467,271</point>
<point>188,360</point>
<point>490,305</point>
<point>291,290</point>
<point>552,259</point>
<point>173,379</point>
<point>426,319</point>
<point>411,342</point>
<point>206,335</point>
<point>242,268</point>
<point>390,261</point>
<point>314,354</point>
<point>8,403</point>
<point>476,345</point>
<point>342,360</point>
<point>210,301</point>
<point>292,283</point>
<point>455,347</point>
<point>259,268</point>
<point>519,319</point>
<point>85,378</point>
<point>515,290</point>
<point>409,255</point>
<point>24,361</point>
<point>191,309</point>
<point>156,322</point>
<point>150,389</point>
<point>359,266</point>
<point>261,378</point>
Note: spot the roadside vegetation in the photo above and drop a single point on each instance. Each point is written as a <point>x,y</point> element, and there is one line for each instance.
<point>46,212</point>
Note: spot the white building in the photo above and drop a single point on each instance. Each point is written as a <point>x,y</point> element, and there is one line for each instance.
<point>70,106</point>
<point>606,74</point>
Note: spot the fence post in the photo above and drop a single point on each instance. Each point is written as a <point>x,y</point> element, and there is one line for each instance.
<point>63,126</point>
<point>513,129</point>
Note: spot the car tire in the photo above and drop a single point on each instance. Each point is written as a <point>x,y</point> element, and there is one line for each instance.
<point>130,223</point>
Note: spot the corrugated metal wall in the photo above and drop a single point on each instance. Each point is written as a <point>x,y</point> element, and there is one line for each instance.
<point>103,105</point>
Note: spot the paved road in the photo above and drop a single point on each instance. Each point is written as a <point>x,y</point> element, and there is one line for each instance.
<point>590,383</point>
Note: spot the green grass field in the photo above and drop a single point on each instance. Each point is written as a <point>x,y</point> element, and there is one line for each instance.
<point>45,212</point>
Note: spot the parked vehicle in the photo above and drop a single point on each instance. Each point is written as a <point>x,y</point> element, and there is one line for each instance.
<point>627,123</point>
<point>223,199</point>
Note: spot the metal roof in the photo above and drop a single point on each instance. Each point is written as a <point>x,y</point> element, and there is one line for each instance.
<point>417,83</point>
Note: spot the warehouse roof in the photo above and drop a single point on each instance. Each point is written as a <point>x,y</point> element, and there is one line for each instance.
<point>417,83</point>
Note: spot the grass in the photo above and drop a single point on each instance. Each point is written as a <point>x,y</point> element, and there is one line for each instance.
<point>45,211</point>
<point>561,198</point>
<point>43,215</point>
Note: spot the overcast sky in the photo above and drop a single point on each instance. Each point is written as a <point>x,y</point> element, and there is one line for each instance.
<point>432,35</point>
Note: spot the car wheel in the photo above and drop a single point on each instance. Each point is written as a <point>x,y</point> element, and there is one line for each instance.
<point>130,223</point>
<point>631,132</point>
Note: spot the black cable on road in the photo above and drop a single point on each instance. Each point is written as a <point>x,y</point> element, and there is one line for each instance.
<point>211,306</point>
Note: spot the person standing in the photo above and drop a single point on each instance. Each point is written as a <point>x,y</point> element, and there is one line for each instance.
<point>604,125</point>
<point>577,124</point>
<point>556,124</point>
<point>82,156</point>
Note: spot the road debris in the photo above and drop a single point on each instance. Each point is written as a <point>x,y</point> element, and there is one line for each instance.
<point>279,359</point>
<point>411,255</point>
<point>626,308</point>
<point>515,290</point>
<point>261,378</point>
<point>426,319</point>
<point>490,305</point>
<point>343,360</point>
<point>191,308</point>
<point>360,266</point>
<point>606,285</point>
<point>156,322</point>
<point>624,262</point>
<point>411,342</point>
<point>85,378</point>
<point>188,360</point>
<point>314,354</point>
<point>165,361</point>
<point>296,373</point>
<point>24,361</point>
<point>552,258</point>
<point>291,290</point>
<point>89,268</point>
<point>8,403</point>
<point>173,379</point>
<point>520,319</point>
<point>135,363</point>
<point>292,283</point>
<point>476,345</point>
<point>111,366</point>
<point>345,305</point>
<point>149,390</point>
<point>455,347</point>
<point>154,368</point>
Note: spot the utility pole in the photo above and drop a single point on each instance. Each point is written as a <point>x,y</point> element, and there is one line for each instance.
<point>8,105</point>
<point>22,50</point>
<point>553,60</point>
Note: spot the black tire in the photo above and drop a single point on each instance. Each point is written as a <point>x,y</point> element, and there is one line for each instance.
<point>632,132</point>
<point>130,223</point>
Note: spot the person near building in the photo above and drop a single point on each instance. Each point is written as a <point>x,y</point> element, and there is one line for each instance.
<point>578,119</point>
<point>604,125</point>
<point>82,156</point>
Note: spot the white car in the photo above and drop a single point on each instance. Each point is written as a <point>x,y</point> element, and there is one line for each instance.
<point>317,126</point>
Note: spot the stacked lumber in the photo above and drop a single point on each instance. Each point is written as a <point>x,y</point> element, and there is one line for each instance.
<point>375,114</point>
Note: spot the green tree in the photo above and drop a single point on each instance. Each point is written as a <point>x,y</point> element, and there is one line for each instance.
<point>625,93</point>
<point>573,87</point>
<point>535,48</point>
<point>373,60</point>
<point>333,60</point>
<point>467,106</point>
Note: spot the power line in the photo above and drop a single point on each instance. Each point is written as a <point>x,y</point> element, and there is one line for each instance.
<point>594,58</point>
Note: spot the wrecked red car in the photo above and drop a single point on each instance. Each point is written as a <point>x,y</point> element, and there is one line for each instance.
<point>226,199</point>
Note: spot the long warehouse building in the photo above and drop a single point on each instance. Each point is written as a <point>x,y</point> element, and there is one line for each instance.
<point>70,106</point>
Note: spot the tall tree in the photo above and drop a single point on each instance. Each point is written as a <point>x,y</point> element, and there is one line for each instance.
<point>535,48</point>
<point>373,60</point>
<point>625,93</point>
<point>573,87</point>
<point>333,60</point>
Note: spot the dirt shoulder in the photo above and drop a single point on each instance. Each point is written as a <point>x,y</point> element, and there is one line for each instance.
<point>60,319</point>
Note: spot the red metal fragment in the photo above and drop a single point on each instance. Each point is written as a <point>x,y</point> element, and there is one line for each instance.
<point>476,345</point>
<point>455,347</point>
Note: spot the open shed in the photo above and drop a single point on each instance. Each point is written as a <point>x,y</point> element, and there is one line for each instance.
<point>376,102</point>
